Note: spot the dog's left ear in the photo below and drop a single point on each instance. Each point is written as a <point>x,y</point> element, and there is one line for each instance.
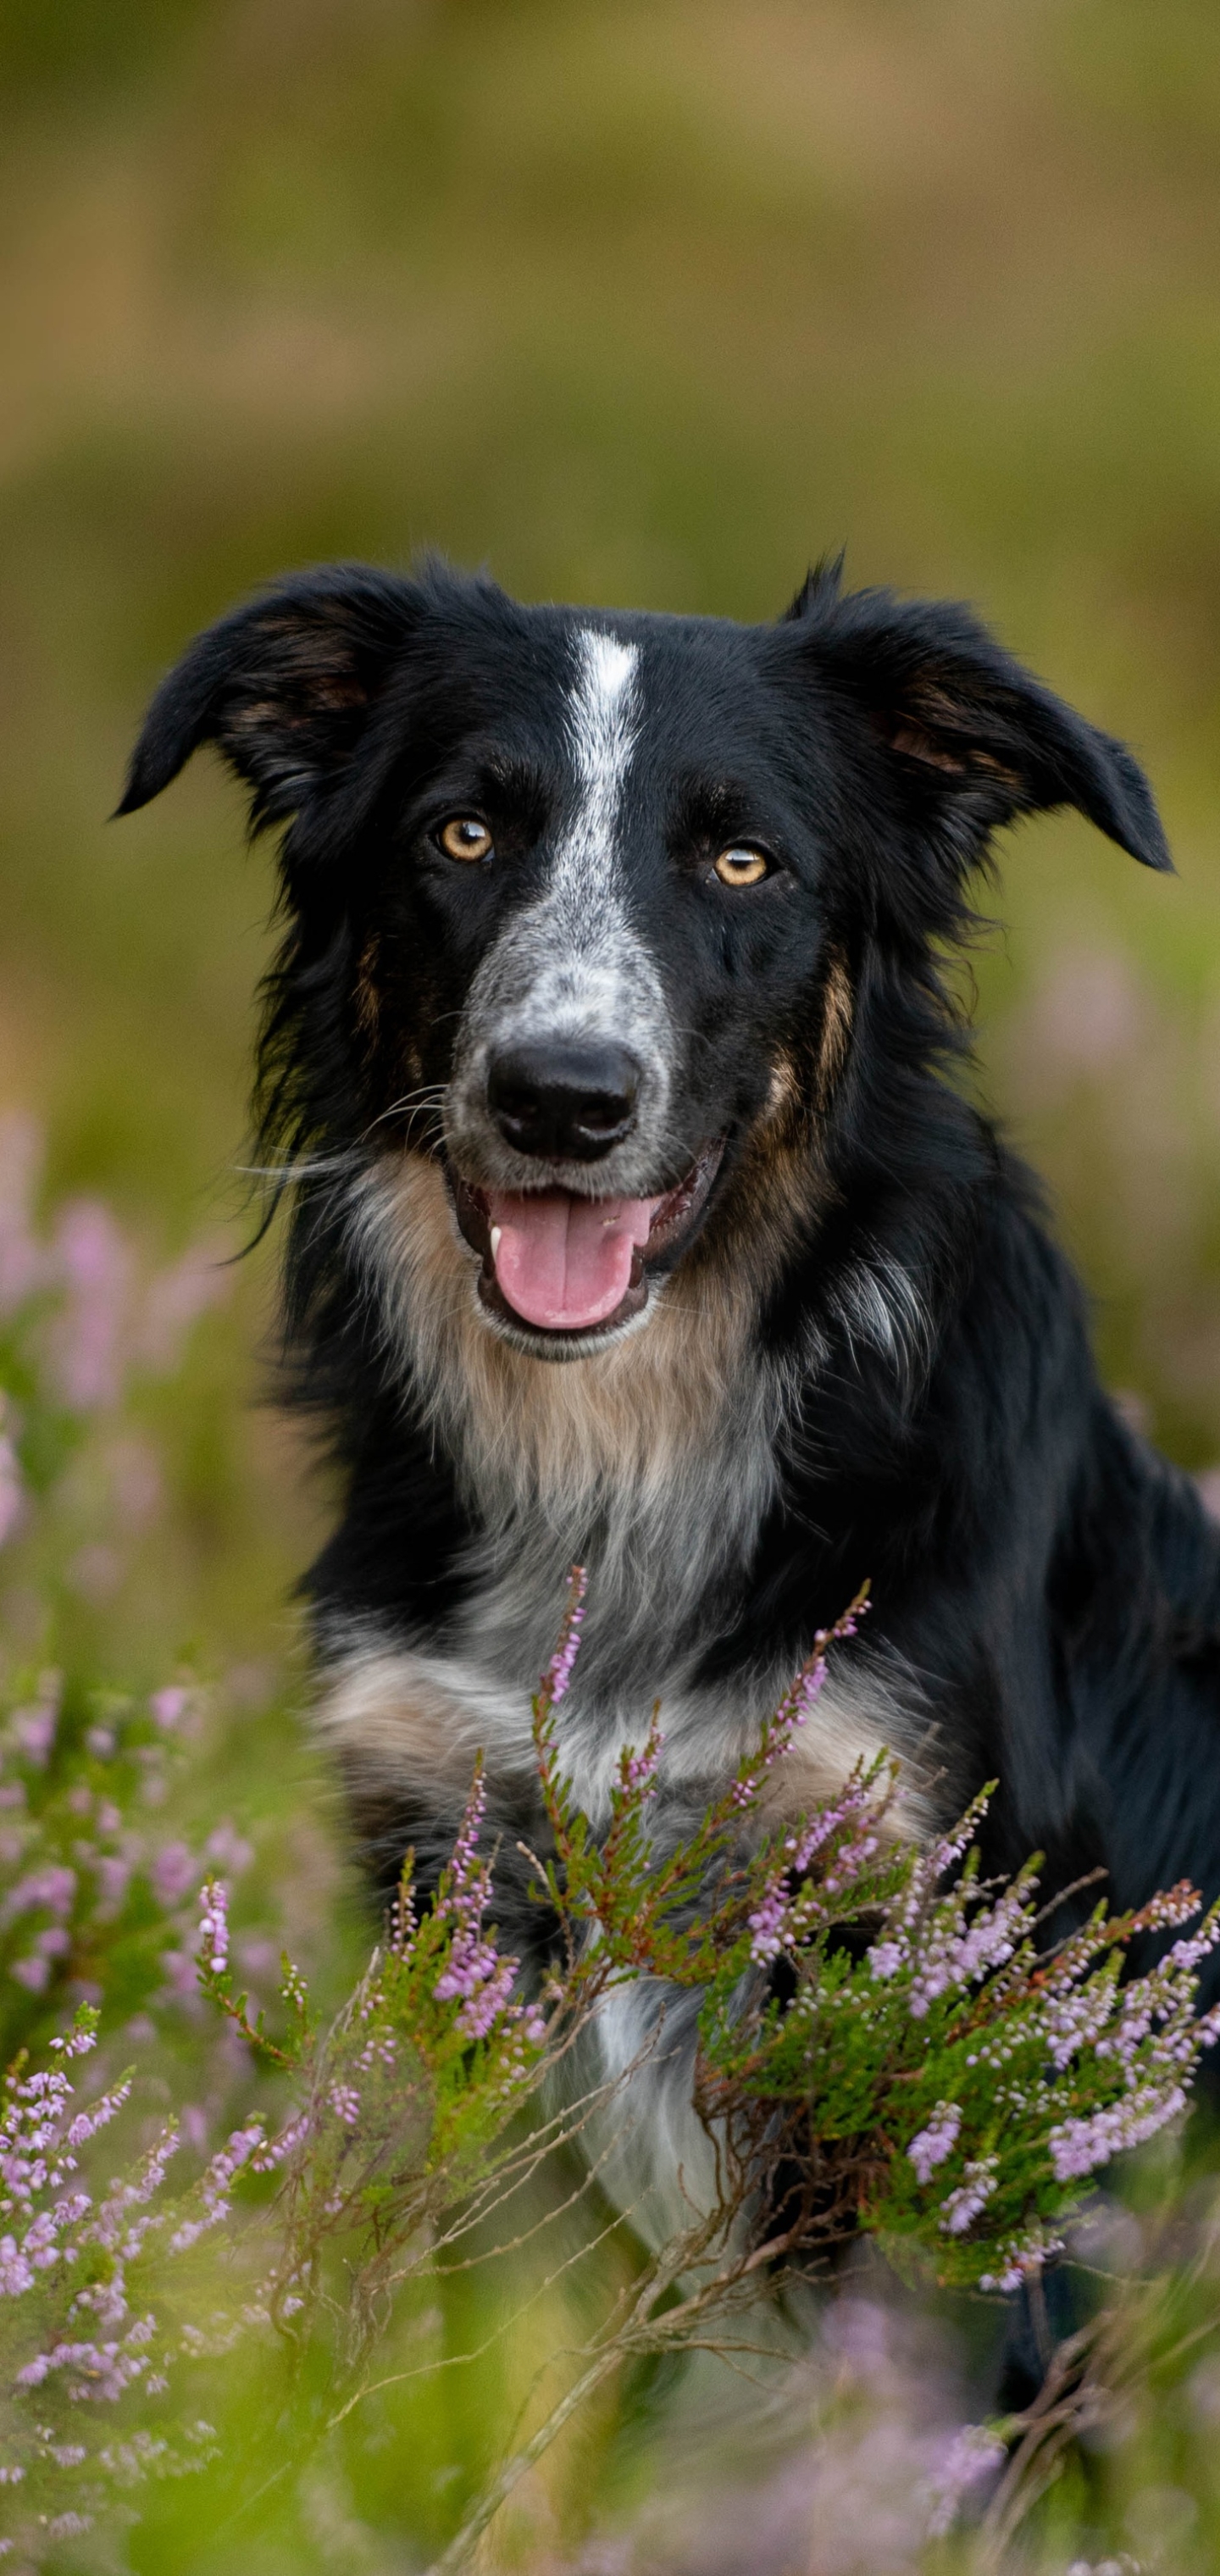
<point>283,686</point>
<point>973,739</point>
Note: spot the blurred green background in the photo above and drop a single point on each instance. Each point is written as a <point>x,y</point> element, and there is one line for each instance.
<point>639,304</point>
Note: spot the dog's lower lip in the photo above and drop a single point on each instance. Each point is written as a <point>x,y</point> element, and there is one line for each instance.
<point>673,1216</point>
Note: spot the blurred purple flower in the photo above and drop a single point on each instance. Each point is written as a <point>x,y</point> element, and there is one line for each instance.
<point>95,1265</point>
<point>176,1297</point>
<point>1087,1015</point>
<point>179,1969</point>
<point>12,1492</point>
<point>135,1481</point>
<point>34,1973</point>
<point>971,2456</point>
<point>228,1849</point>
<point>173,1871</point>
<point>114,1878</point>
<point>96,1571</point>
<point>259,1958</point>
<point>23,1262</point>
<point>167,1706</point>
<point>33,1729</point>
<point>53,1887</point>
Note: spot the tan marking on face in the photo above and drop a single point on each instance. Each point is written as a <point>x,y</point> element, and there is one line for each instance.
<point>785,1091</point>
<point>368,1000</point>
<point>838,1013</point>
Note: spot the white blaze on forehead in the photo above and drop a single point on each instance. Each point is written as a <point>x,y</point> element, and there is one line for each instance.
<point>602,736</point>
<point>574,963</point>
<point>585,967</point>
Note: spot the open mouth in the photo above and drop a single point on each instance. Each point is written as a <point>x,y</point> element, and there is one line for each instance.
<point>569,1265</point>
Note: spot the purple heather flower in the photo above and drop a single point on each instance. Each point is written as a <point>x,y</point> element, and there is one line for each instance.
<point>638,1771</point>
<point>12,1492</point>
<point>962,2207</point>
<point>33,1728</point>
<point>172,1872</point>
<point>95,1264</point>
<point>175,1298</point>
<point>1078,2147</point>
<point>229,1849</point>
<point>558,1673</point>
<point>214,1925</point>
<point>972,2455</point>
<point>930,2146</point>
<point>168,1706</point>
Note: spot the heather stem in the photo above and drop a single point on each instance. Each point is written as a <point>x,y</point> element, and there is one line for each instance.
<point>457,2555</point>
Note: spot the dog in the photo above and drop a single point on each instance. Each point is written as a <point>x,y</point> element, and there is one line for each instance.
<point>641,1219</point>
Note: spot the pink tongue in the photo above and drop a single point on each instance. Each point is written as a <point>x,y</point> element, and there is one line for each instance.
<point>562,1261</point>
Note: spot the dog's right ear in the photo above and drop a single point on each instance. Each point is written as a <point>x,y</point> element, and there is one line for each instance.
<point>283,686</point>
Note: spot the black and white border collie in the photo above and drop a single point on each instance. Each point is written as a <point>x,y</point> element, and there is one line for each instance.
<point>639,1218</point>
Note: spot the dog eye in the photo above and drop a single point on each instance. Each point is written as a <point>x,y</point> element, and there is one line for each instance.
<point>742,867</point>
<point>463,837</point>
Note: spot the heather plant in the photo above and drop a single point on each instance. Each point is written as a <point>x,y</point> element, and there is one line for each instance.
<point>956,2081</point>
<point>83,1321</point>
<point>97,1880</point>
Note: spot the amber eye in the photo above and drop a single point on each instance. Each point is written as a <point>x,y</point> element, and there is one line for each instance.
<point>742,867</point>
<point>465,838</point>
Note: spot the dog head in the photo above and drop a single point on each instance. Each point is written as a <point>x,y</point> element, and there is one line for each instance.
<point>585,904</point>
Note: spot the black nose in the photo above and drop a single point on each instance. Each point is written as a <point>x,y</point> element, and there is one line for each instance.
<point>571,1098</point>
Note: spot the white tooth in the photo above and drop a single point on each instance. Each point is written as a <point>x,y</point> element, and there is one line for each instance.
<point>495,1240</point>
